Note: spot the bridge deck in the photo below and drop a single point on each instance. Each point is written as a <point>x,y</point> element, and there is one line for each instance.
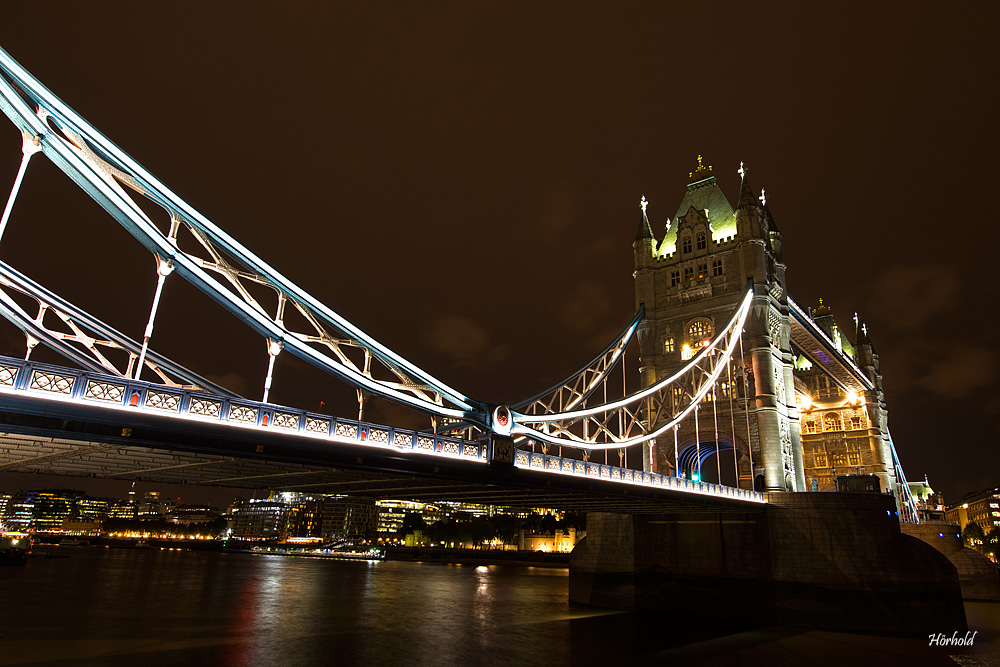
<point>63,421</point>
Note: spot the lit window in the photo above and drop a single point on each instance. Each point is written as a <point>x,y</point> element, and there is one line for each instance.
<point>687,244</point>
<point>853,459</point>
<point>716,267</point>
<point>855,422</point>
<point>703,270</point>
<point>839,460</point>
<point>675,278</point>
<point>678,394</point>
<point>668,344</point>
<point>821,460</point>
<point>688,273</point>
<point>701,240</point>
<point>700,332</point>
<point>810,426</point>
<point>831,422</point>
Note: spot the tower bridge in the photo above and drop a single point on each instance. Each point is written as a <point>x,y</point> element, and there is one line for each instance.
<point>728,363</point>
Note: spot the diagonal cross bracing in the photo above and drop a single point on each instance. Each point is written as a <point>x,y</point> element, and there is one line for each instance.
<point>88,332</point>
<point>596,427</point>
<point>100,168</point>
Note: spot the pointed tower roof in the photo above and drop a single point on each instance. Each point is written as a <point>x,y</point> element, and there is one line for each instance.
<point>645,232</point>
<point>747,198</point>
<point>703,193</point>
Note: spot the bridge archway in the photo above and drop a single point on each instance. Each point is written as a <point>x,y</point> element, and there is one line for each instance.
<point>703,456</point>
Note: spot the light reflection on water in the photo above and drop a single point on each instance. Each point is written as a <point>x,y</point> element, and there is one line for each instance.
<point>167,607</point>
<point>137,607</point>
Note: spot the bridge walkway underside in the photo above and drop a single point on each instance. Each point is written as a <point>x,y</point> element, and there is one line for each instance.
<point>161,451</point>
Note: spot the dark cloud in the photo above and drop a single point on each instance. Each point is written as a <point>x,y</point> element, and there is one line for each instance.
<point>465,343</point>
<point>960,371</point>
<point>912,295</point>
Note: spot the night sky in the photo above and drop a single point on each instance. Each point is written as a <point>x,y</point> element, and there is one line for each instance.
<point>462,180</point>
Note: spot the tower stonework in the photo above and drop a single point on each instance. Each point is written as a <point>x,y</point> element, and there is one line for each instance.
<point>689,282</point>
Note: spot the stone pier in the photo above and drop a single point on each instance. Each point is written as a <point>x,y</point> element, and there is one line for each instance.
<point>823,560</point>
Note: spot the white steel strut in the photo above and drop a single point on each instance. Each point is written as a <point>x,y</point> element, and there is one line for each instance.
<point>219,266</point>
<point>645,414</point>
<point>82,337</point>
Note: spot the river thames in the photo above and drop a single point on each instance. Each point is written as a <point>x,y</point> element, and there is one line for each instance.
<point>150,607</point>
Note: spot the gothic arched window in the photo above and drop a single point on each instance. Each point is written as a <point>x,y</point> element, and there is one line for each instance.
<point>686,245</point>
<point>831,422</point>
<point>700,240</point>
<point>699,332</point>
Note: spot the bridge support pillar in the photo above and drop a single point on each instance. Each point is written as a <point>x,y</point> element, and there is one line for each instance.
<point>833,561</point>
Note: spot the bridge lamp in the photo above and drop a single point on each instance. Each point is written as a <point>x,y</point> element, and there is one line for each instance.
<point>852,396</point>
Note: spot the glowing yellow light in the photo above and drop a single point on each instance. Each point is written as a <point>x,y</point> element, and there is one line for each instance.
<point>852,396</point>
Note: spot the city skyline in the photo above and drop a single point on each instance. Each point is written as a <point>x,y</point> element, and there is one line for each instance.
<point>521,169</point>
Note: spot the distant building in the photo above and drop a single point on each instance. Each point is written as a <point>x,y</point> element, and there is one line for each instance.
<point>299,517</point>
<point>981,507</point>
<point>259,519</point>
<point>930,505</point>
<point>188,514</point>
<point>19,510</point>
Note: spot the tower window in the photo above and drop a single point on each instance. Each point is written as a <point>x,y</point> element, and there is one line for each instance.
<point>852,458</point>
<point>688,273</point>
<point>699,332</point>
<point>668,344</point>
<point>686,246</point>
<point>810,426</point>
<point>855,422</point>
<point>700,239</point>
<point>675,278</point>
<point>702,270</point>
<point>821,460</point>
<point>716,267</point>
<point>831,422</point>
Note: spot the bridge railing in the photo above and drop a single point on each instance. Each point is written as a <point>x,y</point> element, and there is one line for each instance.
<point>129,395</point>
<point>567,466</point>
<point>64,384</point>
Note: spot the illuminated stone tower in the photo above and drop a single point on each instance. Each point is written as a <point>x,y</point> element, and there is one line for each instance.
<point>690,280</point>
<point>844,432</point>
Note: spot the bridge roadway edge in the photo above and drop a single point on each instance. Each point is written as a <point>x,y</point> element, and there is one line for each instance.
<point>835,561</point>
<point>38,417</point>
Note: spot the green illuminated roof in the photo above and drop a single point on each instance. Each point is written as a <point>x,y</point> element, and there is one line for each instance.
<point>701,195</point>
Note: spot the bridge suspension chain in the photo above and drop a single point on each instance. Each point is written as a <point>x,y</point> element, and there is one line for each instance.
<point>646,414</point>
<point>222,267</point>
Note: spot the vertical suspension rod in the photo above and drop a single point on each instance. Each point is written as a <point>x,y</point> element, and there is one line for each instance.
<point>732,421</point>
<point>29,146</point>
<point>715,417</point>
<point>746,404</point>
<point>163,269</point>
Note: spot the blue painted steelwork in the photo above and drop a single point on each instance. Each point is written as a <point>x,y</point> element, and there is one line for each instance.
<point>100,168</point>
<point>110,392</point>
<point>801,319</point>
<point>97,328</point>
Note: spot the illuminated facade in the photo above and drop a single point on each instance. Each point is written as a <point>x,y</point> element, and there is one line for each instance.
<point>690,280</point>
<point>841,430</point>
<point>981,508</point>
<point>793,428</point>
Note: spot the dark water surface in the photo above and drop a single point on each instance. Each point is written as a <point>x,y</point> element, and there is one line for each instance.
<point>151,607</point>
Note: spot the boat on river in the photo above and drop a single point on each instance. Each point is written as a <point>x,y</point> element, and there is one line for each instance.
<point>14,548</point>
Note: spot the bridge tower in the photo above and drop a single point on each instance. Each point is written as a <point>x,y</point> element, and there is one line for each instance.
<point>689,280</point>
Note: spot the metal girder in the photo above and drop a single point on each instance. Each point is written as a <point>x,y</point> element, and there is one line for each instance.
<point>815,344</point>
<point>630,420</point>
<point>86,335</point>
<point>227,269</point>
